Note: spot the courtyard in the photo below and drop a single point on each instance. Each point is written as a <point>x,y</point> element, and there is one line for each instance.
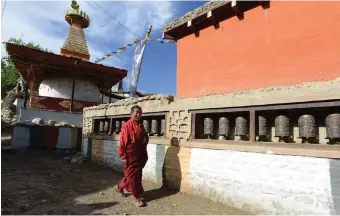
<point>40,182</point>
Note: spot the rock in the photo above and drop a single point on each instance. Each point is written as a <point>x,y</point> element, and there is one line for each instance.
<point>51,123</point>
<point>64,124</point>
<point>77,159</point>
<point>44,201</point>
<point>80,161</point>
<point>23,192</point>
<point>78,154</point>
<point>38,121</point>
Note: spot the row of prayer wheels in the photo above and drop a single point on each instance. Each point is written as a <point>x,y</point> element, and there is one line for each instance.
<point>283,127</point>
<point>307,126</point>
<point>104,126</point>
<point>156,129</point>
<point>241,127</point>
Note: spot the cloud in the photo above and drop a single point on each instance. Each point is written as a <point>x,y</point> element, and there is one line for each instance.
<point>43,23</point>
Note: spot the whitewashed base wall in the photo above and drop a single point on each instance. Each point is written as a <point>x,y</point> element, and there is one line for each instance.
<point>261,183</point>
<point>274,183</point>
<point>20,137</point>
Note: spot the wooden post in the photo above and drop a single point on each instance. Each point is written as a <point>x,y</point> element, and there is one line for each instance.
<point>25,94</point>
<point>111,126</point>
<point>32,85</point>
<point>148,32</point>
<point>252,132</point>
<point>72,95</point>
<point>193,126</point>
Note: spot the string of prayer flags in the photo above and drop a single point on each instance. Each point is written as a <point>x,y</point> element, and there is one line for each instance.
<point>118,50</point>
<point>130,45</point>
<point>163,40</point>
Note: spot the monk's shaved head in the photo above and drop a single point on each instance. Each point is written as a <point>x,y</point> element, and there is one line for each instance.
<point>136,113</point>
<point>135,108</point>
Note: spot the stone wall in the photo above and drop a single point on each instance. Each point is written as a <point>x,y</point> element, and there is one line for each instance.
<point>179,107</point>
<point>58,116</point>
<point>263,178</point>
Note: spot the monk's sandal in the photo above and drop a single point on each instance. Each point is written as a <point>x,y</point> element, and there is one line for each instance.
<point>119,191</point>
<point>139,202</point>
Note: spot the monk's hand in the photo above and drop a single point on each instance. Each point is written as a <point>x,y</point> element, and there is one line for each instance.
<point>124,161</point>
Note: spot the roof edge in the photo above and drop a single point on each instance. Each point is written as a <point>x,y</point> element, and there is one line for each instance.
<point>205,8</point>
<point>63,56</point>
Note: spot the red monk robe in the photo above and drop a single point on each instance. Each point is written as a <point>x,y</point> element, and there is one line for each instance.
<point>132,150</point>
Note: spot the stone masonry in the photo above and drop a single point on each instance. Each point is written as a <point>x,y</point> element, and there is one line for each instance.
<point>261,182</point>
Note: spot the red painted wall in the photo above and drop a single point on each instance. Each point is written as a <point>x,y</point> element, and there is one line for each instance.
<point>289,43</point>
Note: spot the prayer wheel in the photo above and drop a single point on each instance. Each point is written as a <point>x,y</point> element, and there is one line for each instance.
<point>162,127</point>
<point>263,126</point>
<point>117,128</point>
<point>282,126</point>
<point>106,126</point>
<point>146,126</point>
<point>123,122</point>
<point>241,126</point>
<point>307,126</point>
<point>208,127</point>
<point>101,126</point>
<point>333,126</point>
<point>154,127</point>
<point>223,126</point>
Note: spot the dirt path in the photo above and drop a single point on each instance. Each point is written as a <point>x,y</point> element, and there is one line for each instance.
<point>40,182</point>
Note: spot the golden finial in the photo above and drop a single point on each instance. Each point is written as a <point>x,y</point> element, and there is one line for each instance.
<point>75,5</point>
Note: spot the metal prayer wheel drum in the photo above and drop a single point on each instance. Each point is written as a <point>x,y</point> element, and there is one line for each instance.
<point>154,127</point>
<point>208,125</point>
<point>117,128</point>
<point>223,126</point>
<point>101,126</point>
<point>123,122</point>
<point>333,126</point>
<point>241,126</point>
<point>263,126</point>
<point>307,126</point>
<point>162,126</point>
<point>146,126</point>
<point>282,126</point>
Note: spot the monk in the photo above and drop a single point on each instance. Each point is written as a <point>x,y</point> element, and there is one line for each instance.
<point>132,150</point>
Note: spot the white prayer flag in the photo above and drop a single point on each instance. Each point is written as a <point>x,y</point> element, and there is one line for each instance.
<point>137,62</point>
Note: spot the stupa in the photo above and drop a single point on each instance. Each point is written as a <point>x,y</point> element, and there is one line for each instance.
<point>69,81</point>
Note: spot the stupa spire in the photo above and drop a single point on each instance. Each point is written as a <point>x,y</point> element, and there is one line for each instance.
<point>75,44</point>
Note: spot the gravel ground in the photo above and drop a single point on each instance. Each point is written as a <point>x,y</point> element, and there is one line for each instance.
<point>40,182</point>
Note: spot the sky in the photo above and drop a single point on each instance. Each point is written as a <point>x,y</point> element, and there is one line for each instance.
<point>43,23</point>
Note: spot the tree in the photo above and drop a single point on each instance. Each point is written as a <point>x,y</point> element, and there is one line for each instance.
<point>9,74</point>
